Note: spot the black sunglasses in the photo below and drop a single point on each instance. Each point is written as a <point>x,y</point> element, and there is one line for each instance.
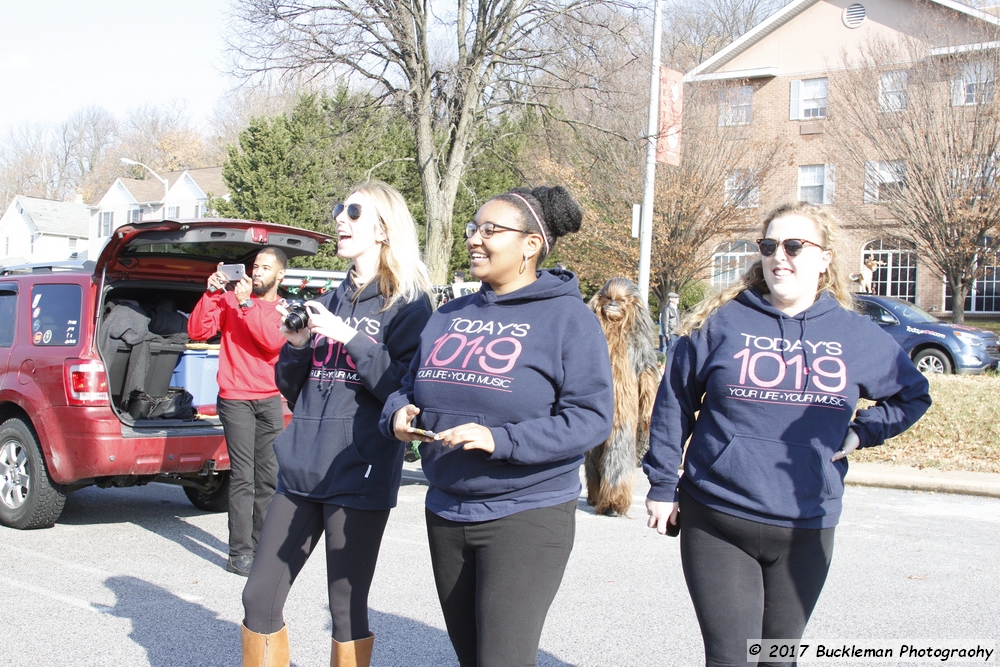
<point>488,229</point>
<point>792,246</point>
<point>353,211</point>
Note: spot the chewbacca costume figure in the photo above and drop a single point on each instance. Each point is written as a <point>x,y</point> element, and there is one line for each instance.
<point>631,336</point>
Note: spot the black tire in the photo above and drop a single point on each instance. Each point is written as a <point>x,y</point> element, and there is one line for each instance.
<point>28,496</point>
<point>932,360</point>
<point>216,500</point>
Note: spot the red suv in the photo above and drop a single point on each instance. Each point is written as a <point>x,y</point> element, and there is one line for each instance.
<point>69,354</point>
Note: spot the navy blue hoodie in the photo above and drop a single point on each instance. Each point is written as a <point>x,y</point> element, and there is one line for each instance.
<point>332,451</point>
<point>776,396</point>
<point>533,366</point>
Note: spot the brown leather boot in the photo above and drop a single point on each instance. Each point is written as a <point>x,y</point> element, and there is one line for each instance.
<point>265,650</point>
<point>357,653</point>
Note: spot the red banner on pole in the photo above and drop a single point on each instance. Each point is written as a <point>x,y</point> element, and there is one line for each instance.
<point>668,143</point>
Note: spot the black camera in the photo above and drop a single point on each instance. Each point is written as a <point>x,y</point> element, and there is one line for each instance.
<point>298,317</point>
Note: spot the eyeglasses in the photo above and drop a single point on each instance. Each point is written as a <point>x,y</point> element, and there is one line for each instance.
<point>792,246</point>
<point>353,211</point>
<point>488,229</point>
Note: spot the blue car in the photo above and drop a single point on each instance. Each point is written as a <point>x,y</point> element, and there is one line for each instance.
<point>934,346</point>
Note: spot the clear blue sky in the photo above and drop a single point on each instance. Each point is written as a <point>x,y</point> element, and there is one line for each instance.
<point>57,56</point>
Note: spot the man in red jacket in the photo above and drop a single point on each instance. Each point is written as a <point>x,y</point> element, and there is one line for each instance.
<point>249,403</point>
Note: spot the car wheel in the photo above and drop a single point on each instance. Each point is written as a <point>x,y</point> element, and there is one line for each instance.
<point>931,360</point>
<point>214,500</point>
<point>28,496</point>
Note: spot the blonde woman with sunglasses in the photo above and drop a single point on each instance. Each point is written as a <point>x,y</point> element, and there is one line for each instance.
<point>337,475</point>
<point>764,382</point>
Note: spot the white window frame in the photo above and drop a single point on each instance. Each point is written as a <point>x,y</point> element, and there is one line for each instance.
<point>973,85</point>
<point>742,188</point>
<point>135,214</point>
<point>199,210</point>
<point>884,180</point>
<point>819,178</point>
<point>173,212</point>
<point>730,261</point>
<point>807,99</point>
<point>736,106</point>
<point>892,94</point>
<point>107,223</point>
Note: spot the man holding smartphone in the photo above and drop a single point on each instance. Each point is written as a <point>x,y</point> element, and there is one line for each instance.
<point>249,405</point>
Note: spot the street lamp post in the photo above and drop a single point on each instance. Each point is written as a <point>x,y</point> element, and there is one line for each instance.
<point>652,132</point>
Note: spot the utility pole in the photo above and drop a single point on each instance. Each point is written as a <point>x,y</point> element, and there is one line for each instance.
<point>652,132</point>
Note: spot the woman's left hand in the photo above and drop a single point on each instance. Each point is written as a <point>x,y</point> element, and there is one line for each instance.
<point>325,323</point>
<point>469,436</point>
<point>851,442</point>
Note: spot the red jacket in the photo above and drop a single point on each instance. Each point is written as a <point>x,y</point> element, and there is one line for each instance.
<point>250,343</point>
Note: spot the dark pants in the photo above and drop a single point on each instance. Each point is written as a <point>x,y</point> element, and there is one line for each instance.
<point>496,580</point>
<point>251,427</point>
<point>291,532</point>
<point>749,580</point>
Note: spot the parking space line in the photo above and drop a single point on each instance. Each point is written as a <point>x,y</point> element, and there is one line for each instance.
<point>65,599</point>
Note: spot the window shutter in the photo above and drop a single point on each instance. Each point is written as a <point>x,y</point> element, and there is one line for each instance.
<point>828,183</point>
<point>794,101</point>
<point>957,92</point>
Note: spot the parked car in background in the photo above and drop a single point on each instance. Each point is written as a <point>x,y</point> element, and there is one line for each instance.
<point>934,346</point>
<point>75,338</point>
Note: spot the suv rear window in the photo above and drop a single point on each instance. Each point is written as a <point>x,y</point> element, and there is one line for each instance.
<point>55,314</point>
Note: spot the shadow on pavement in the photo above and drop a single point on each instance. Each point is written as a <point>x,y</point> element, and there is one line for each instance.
<point>173,631</point>
<point>158,508</point>
<point>404,642</point>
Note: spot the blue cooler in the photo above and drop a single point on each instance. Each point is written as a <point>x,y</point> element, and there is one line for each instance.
<point>196,371</point>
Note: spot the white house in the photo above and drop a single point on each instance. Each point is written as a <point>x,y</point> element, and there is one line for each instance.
<point>184,194</point>
<point>43,230</point>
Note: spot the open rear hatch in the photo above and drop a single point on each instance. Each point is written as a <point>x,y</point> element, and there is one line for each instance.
<point>157,270</point>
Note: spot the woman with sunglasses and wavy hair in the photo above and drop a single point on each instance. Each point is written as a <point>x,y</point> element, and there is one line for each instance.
<point>510,387</point>
<point>764,382</point>
<point>337,474</point>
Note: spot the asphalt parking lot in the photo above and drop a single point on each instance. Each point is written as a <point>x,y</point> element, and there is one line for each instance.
<point>135,577</point>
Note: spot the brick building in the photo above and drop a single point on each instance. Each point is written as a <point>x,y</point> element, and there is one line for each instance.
<point>778,79</point>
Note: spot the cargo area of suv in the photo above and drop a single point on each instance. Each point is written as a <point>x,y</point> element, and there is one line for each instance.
<point>100,382</point>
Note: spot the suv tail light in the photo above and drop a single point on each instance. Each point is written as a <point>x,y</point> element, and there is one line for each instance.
<point>86,382</point>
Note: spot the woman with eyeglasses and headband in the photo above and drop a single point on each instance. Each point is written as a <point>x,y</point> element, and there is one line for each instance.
<point>338,476</point>
<point>764,382</point>
<point>510,387</point>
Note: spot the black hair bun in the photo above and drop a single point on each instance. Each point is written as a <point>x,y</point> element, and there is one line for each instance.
<point>561,213</point>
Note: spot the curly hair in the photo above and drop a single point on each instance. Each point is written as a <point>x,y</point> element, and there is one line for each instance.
<point>551,212</point>
<point>833,280</point>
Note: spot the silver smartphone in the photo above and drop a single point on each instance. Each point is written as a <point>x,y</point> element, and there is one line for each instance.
<point>233,272</point>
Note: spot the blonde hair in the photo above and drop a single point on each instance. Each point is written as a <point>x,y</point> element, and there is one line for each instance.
<point>833,280</point>
<point>401,273</point>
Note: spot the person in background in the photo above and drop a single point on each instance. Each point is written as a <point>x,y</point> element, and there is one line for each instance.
<point>765,382</point>
<point>249,404</point>
<point>670,322</point>
<point>337,475</point>
<point>515,380</point>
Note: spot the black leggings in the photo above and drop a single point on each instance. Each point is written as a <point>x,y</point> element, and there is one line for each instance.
<point>749,580</point>
<point>291,531</point>
<point>496,580</point>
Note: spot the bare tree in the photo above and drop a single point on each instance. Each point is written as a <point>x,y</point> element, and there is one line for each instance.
<point>695,31</point>
<point>450,72</point>
<point>708,199</point>
<point>923,125</point>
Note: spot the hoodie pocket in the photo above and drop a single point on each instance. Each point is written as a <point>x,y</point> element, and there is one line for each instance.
<point>781,479</point>
<point>318,457</point>
<point>455,470</point>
